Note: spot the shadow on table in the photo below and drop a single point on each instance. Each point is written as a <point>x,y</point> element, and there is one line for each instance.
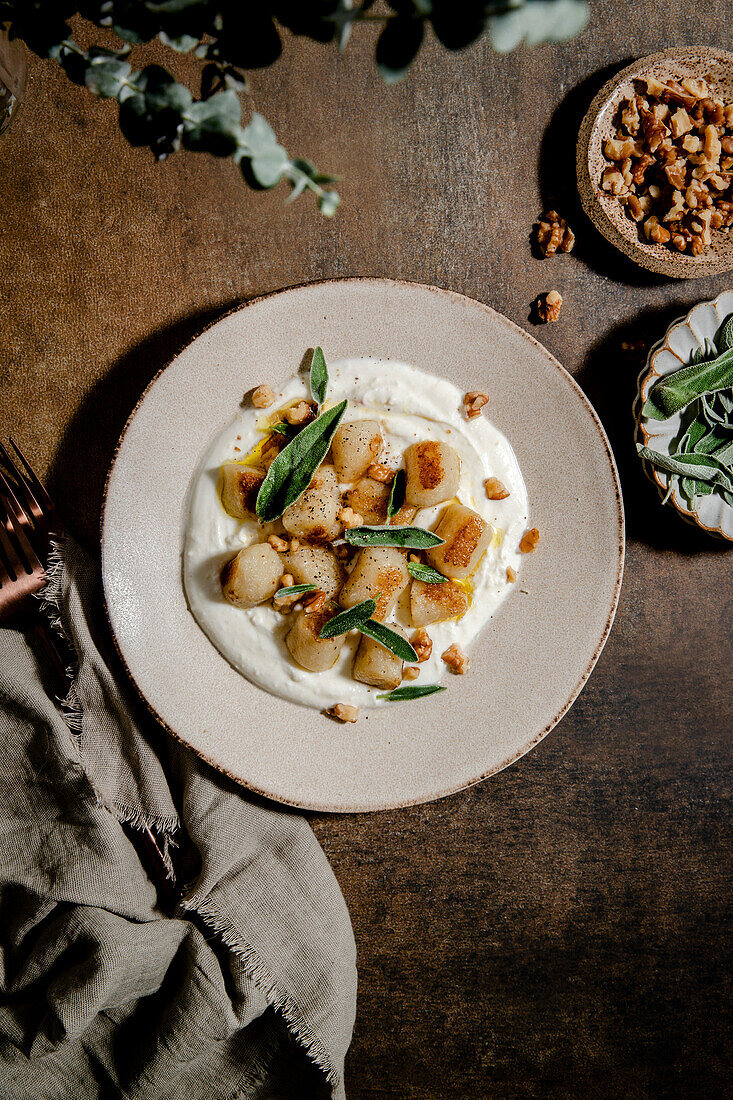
<point>608,376</point>
<point>79,468</point>
<point>559,190</point>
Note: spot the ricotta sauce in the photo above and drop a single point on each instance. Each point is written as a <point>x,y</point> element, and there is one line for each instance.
<point>410,406</point>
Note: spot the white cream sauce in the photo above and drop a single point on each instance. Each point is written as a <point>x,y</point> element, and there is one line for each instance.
<point>410,406</point>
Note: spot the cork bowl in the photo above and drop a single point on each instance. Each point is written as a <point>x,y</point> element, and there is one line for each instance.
<point>604,210</point>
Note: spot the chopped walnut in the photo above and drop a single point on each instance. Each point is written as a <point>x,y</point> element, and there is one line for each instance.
<point>548,306</point>
<point>495,489</point>
<point>670,157</point>
<point>511,574</point>
<point>278,544</point>
<point>287,580</point>
<point>411,673</point>
<point>473,403</point>
<point>263,397</point>
<point>299,414</point>
<point>422,643</point>
<point>529,541</point>
<point>345,712</point>
<point>294,544</point>
<point>314,602</point>
<point>554,233</point>
<point>379,472</point>
<point>456,660</point>
<point>350,518</point>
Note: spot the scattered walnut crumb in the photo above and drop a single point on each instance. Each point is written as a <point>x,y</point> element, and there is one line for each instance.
<point>422,643</point>
<point>345,712</point>
<point>411,673</point>
<point>294,545</point>
<point>263,397</point>
<point>511,574</point>
<point>554,233</point>
<point>350,518</point>
<point>314,602</point>
<point>379,472</point>
<point>456,660</point>
<point>299,414</point>
<point>287,580</point>
<point>278,544</point>
<point>473,403</point>
<point>529,541</point>
<point>669,161</point>
<point>495,489</point>
<point>548,306</point>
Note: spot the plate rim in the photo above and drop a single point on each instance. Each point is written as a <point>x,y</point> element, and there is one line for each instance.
<point>248,785</point>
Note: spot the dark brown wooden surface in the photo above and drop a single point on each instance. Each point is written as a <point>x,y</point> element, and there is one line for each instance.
<point>562,930</point>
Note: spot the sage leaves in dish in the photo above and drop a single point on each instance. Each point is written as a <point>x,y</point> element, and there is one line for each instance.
<point>425,573</point>
<point>397,493</point>
<point>407,538</point>
<point>351,619</point>
<point>319,376</point>
<point>390,639</point>
<point>402,694</point>
<point>700,461</point>
<point>294,590</point>
<point>292,471</point>
<point>676,391</point>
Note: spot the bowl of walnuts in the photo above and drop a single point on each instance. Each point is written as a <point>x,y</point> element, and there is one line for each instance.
<point>655,162</point>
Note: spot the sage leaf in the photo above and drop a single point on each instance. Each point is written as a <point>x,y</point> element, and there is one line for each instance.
<point>410,538</point>
<point>699,466</point>
<point>425,573</point>
<point>349,619</point>
<point>292,471</point>
<point>675,391</point>
<point>319,376</point>
<point>390,639</point>
<point>397,493</point>
<point>281,428</point>
<point>294,590</point>
<point>725,334</point>
<point>416,692</point>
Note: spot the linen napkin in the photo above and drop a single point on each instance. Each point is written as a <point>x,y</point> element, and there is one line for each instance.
<point>243,986</point>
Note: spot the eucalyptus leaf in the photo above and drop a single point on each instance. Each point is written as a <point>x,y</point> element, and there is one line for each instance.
<point>294,590</point>
<point>407,538</point>
<point>397,493</point>
<point>292,471</point>
<point>319,376</point>
<point>397,47</point>
<point>537,21</point>
<point>425,573</point>
<point>415,691</point>
<point>106,75</point>
<point>267,158</point>
<point>350,619</point>
<point>214,124</point>
<point>390,639</point>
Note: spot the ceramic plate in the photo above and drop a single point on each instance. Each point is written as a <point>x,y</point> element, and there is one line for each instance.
<point>531,660</point>
<point>683,338</point>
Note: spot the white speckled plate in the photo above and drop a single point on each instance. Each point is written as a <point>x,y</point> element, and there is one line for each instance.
<point>530,661</point>
<point>683,338</point>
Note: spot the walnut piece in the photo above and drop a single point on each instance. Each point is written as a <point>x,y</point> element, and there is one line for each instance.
<point>278,544</point>
<point>548,306</point>
<point>456,660</point>
<point>511,574</point>
<point>300,413</point>
<point>379,472</point>
<point>314,602</point>
<point>495,489</point>
<point>422,643</point>
<point>529,541</point>
<point>287,580</point>
<point>263,397</point>
<point>411,673</point>
<point>350,518</point>
<point>345,712</point>
<point>473,403</point>
<point>554,233</point>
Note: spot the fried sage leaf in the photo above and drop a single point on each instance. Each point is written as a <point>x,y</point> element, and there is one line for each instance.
<point>319,376</point>
<point>348,620</point>
<point>397,493</point>
<point>292,471</point>
<point>409,538</point>
<point>404,693</point>
<point>390,639</point>
<point>294,590</point>
<point>674,392</point>
<point>425,573</point>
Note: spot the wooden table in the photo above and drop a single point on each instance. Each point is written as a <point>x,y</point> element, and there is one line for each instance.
<point>562,930</point>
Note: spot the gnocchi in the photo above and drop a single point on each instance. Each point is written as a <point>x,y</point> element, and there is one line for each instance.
<point>466,539</point>
<point>376,665</point>
<point>433,471</point>
<point>380,573</point>
<point>239,488</point>
<point>355,447</point>
<point>251,576</point>
<point>314,516</point>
